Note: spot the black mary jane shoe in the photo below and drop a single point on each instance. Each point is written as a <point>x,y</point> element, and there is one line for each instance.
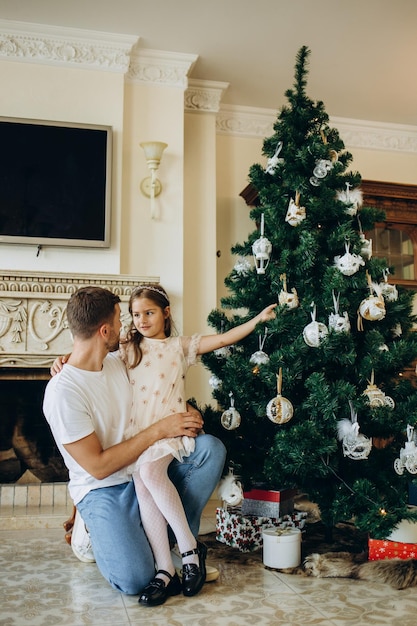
<point>194,576</point>
<point>156,592</point>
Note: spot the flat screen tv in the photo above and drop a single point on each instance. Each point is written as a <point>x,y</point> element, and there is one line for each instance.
<point>55,183</point>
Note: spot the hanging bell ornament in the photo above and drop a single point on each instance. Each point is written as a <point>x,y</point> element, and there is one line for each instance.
<point>260,357</point>
<point>295,213</point>
<point>376,396</point>
<point>408,455</point>
<point>279,410</point>
<point>315,332</point>
<point>338,323</point>
<point>354,445</point>
<point>348,263</point>
<point>290,300</point>
<point>261,250</point>
<point>389,291</point>
<point>230,419</point>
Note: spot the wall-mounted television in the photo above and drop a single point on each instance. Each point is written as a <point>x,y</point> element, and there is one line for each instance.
<point>55,183</point>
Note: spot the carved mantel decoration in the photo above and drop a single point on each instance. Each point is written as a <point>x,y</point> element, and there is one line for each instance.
<point>33,325</point>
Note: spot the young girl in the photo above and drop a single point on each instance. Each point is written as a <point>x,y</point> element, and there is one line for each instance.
<point>157,363</point>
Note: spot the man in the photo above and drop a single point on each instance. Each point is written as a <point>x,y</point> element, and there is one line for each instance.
<point>87,405</point>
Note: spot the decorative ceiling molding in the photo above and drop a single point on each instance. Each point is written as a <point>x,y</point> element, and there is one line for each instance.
<point>376,135</point>
<point>253,122</point>
<point>204,96</point>
<point>245,121</point>
<point>169,69</point>
<point>71,47</point>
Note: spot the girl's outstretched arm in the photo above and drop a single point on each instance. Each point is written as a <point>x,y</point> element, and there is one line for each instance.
<point>208,343</point>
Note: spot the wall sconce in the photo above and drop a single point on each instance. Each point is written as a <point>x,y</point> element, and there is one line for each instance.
<point>151,186</point>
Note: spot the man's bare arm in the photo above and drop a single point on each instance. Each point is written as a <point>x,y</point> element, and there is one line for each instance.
<point>100,463</point>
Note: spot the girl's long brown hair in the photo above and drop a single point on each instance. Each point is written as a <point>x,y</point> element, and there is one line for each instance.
<point>157,294</point>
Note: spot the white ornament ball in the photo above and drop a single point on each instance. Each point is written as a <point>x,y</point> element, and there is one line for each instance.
<point>230,419</point>
<point>314,333</point>
<point>279,410</point>
<point>372,308</point>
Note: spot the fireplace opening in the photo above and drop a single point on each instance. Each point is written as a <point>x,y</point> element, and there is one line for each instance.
<point>27,449</point>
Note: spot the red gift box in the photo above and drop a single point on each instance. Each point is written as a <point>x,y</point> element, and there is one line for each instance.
<point>380,549</point>
<point>268,502</point>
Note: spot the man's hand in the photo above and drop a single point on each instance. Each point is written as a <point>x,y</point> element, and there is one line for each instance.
<point>189,423</point>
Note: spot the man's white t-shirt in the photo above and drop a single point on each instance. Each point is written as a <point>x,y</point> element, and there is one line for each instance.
<point>77,403</point>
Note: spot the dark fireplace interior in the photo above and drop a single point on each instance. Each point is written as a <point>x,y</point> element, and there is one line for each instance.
<point>27,449</point>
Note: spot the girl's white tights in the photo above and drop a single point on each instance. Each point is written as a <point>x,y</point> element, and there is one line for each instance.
<point>159,504</point>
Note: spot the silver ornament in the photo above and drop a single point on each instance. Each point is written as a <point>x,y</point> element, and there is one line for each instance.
<point>230,419</point>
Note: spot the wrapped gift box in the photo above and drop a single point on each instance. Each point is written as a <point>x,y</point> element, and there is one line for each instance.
<point>245,531</point>
<point>281,547</point>
<point>269,502</point>
<point>380,549</point>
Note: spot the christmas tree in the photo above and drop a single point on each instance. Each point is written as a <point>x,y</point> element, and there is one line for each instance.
<point>317,399</point>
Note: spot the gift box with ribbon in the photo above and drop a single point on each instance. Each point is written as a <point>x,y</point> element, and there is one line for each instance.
<point>244,532</point>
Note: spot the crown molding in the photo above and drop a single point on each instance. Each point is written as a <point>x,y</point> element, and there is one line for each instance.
<point>377,135</point>
<point>204,96</point>
<point>160,67</point>
<point>245,121</point>
<point>255,122</point>
<point>70,47</point>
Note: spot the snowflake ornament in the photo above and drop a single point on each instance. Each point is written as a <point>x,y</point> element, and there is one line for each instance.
<point>242,266</point>
<point>215,382</point>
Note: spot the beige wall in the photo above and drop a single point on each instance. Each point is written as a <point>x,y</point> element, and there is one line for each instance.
<point>199,214</point>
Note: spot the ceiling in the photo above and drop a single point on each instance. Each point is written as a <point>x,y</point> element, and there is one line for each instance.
<point>363,62</point>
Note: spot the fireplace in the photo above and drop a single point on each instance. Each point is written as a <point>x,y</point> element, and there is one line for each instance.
<point>33,332</point>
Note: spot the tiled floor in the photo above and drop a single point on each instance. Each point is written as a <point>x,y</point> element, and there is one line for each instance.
<point>43,584</point>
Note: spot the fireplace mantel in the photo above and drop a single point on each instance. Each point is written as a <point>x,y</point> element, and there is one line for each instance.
<point>33,324</point>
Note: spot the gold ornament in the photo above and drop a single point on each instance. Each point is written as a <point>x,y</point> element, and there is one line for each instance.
<point>279,410</point>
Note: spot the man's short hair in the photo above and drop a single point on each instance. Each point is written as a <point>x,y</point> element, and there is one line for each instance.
<point>89,308</point>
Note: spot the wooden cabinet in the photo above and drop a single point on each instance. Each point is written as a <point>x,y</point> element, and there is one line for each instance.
<point>395,238</point>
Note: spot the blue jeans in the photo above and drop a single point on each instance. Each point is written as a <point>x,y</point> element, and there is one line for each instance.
<point>112,516</point>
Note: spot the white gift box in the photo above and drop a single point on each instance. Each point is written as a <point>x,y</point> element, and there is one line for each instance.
<point>281,547</point>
